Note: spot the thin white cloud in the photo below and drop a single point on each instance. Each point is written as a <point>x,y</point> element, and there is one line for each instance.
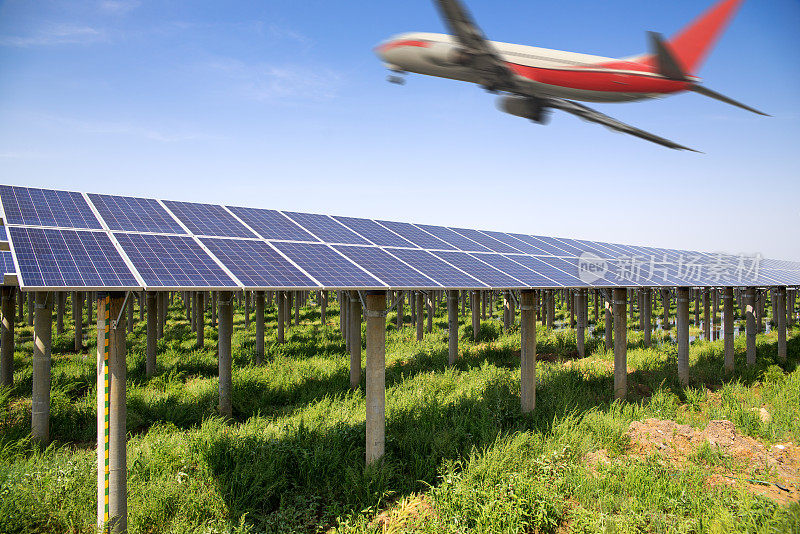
<point>56,34</point>
<point>262,81</point>
<point>118,7</point>
<point>161,134</point>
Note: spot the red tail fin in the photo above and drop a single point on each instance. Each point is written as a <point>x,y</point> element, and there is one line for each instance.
<point>694,42</point>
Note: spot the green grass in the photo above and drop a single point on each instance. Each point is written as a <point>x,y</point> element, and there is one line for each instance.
<point>292,460</point>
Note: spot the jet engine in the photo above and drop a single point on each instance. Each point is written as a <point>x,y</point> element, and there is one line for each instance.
<point>448,55</point>
<point>534,109</point>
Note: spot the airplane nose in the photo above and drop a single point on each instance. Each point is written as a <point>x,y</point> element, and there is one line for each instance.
<point>382,48</point>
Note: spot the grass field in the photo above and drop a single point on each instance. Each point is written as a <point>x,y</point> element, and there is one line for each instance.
<point>460,455</point>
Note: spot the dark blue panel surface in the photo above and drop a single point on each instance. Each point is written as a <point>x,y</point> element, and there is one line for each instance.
<point>542,265</point>
<point>483,272</point>
<point>69,258</point>
<point>7,262</point>
<point>271,224</point>
<point>256,264</point>
<point>45,207</point>
<point>173,261</point>
<point>418,237</point>
<point>435,268</point>
<point>457,240</point>
<point>132,214</point>
<point>374,232</point>
<point>511,241</point>
<point>326,228</point>
<point>327,265</point>
<point>545,248</point>
<point>208,219</point>
<point>560,244</point>
<point>518,271</point>
<point>386,267</point>
<point>490,243</point>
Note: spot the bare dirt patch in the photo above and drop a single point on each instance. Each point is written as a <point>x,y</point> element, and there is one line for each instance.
<point>676,443</point>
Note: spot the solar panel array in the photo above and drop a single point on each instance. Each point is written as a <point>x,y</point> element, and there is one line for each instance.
<point>67,240</point>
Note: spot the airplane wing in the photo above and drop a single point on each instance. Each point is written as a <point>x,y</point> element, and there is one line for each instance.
<point>588,114</point>
<point>482,56</point>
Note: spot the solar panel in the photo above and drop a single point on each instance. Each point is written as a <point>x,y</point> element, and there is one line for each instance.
<point>435,268</point>
<point>7,262</point>
<point>560,244</point>
<point>415,235</point>
<point>490,243</point>
<point>386,267</point>
<point>3,234</point>
<point>511,241</point>
<point>329,267</point>
<point>557,273</point>
<point>517,270</point>
<point>256,264</point>
<point>483,272</point>
<point>457,240</point>
<point>130,214</point>
<point>326,228</point>
<point>165,261</point>
<point>51,258</point>
<point>587,247</point>
<point>208,219</point>
<point>374,232</point>
<point>45,207</point>
<point>271,224</point>
<point>546,248</point>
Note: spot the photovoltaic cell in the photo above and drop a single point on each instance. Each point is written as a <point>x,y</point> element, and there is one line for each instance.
<point>518,271</point>
<point>374,232</point>
<point>570,266</point>
<point>327,265</point>
<point>45,207</point>
<point>543,266</point>
<point>173,262</point>
<point>483,272</point>
<point>256,264</point>
<point>546,249</point>
<point>130,214</point>
<point>587,247</point>
<point>326,228</point>
<point>208,219</point>
<point>415,235</point>
<point>513,242</point>
<point>69,259</point>
<point>490,243</point>
<point>457,240</point>
<point>7,262</point>
<point>433,267</point>
<point>386,267</point>
<point>563,244</point>
<point>271,224</point>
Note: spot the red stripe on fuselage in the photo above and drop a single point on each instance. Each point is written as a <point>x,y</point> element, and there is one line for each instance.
<point>588,80</point>
<point>397,44</point>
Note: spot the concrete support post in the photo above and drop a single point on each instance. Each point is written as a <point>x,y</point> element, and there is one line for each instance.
<point>791,307</point>
<point>750,326</point>
<point>281,305</point>
<point>706,315</point>
<point>647,311</point>
<point>194,310</point>
<point>247,309</point>
<point>580,328</point>
<point>7,336</point>
<point>225,316</point>
<point>142,302</point>
<point>715,314</point>
<point>112,415</point>
<point>201,319</point>
<point>355,339</point>
<point>609,337</point>
<point>452,326</point>
<point>666,299</point>
<point>697,307</point>
<point>89,304</point>
<point>528,352</point>
<point>620,344</point>
<point>420,316</point>
<point>780,311</point>
<point>683,333</point>
<point>152,333</point>
<point>727,327</point>
<point>346,320</point>
<point>298,302</point>
<point>476,318</point>
<point>400,310</point>
<point>213,309</point>
<point>129,307</point>
<point>506,311</point>
<point>42,338</point>
<point>429,299</point>
<point>20,306</point>
<point>259,327</point>
<point>323,307</point>
<point>551,309</point>
<point>60,312</point>
<point>31,306</point>
<point>77,315</point>
<point>376,375</point>
<point>159,309</point>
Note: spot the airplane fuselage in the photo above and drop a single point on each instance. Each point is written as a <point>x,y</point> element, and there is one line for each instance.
<point>544,72</point>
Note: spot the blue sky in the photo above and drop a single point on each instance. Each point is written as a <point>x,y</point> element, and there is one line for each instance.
<point>282,104</point>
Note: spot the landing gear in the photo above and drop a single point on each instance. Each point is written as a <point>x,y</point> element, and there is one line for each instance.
<point>397,80</point>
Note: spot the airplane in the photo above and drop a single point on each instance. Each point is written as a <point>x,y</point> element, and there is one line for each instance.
<point>533,81</point>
